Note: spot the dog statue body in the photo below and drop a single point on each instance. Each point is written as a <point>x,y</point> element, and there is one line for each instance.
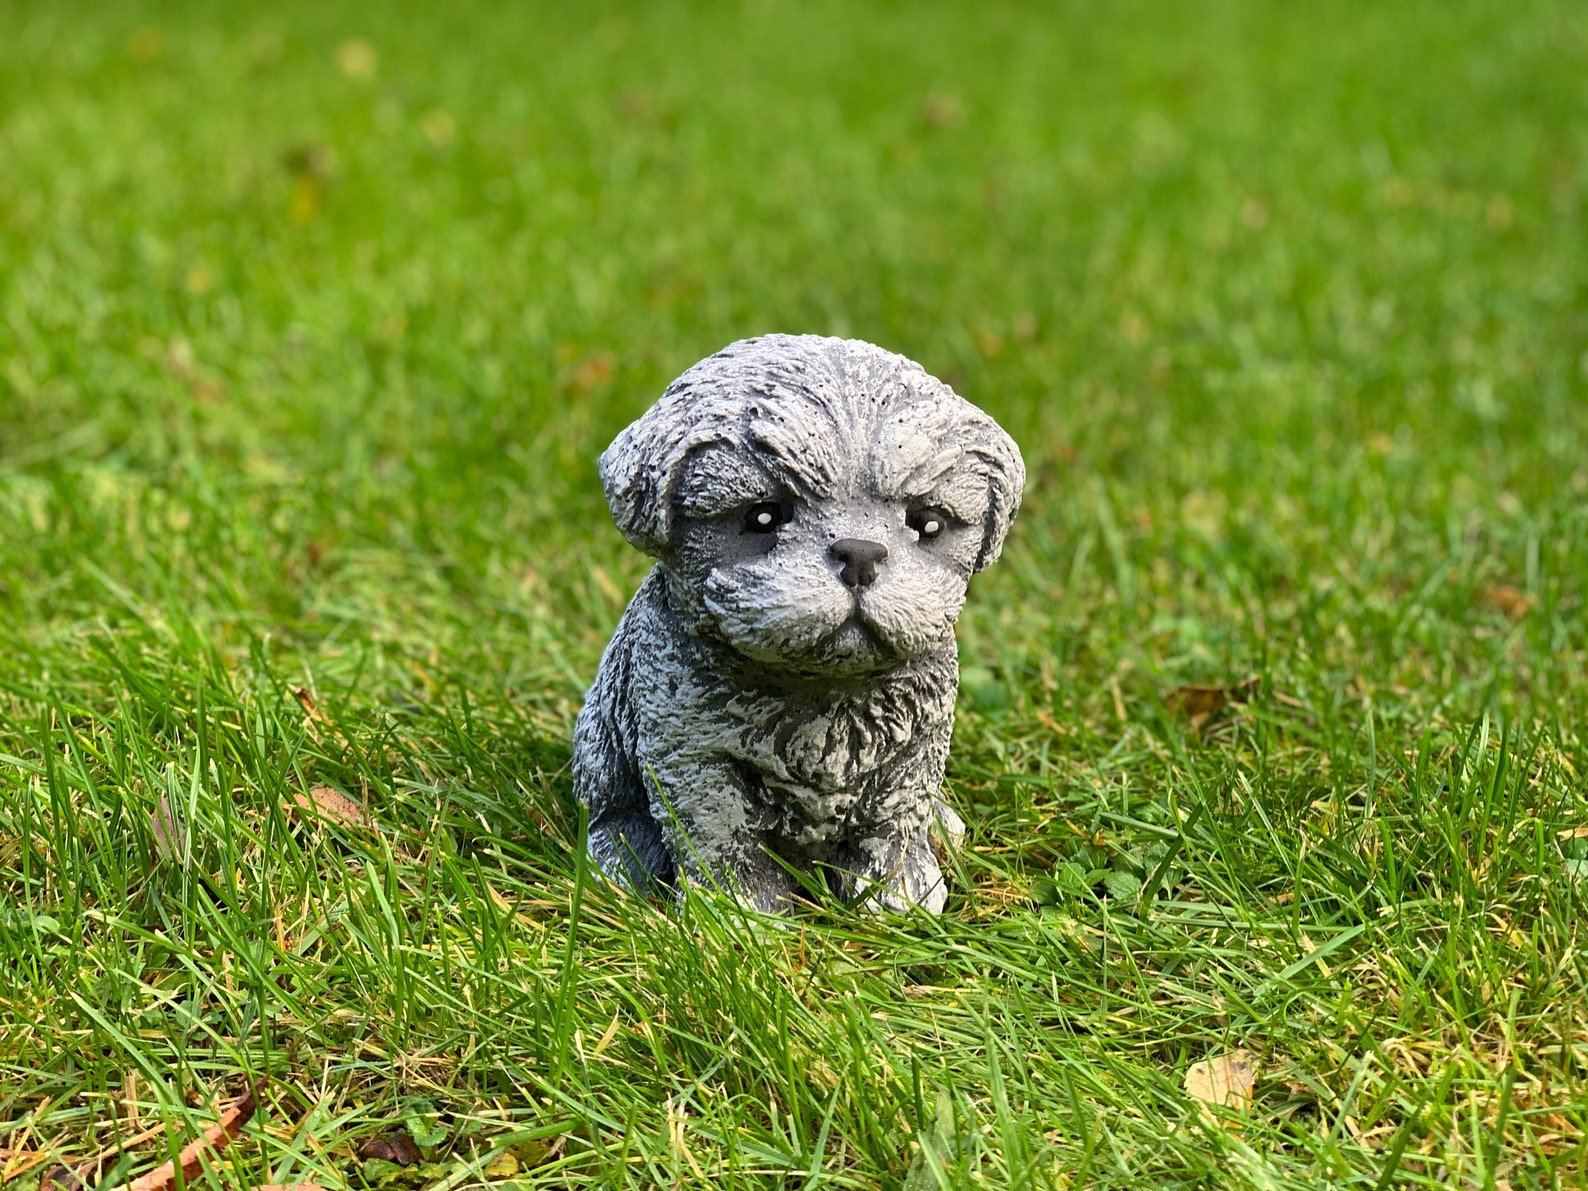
<point>779,697</point>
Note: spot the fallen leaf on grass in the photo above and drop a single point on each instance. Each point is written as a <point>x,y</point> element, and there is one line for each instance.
<point>212,1141</point>
<point>314,720</point>
<point>325,802</point>
<point>396,1147</point>
<point>1511,600</point>
<point>64,1178</point>
<point>170,840</point>
<point>1201,702</point>
<point>503,1166</point>
<point>310,707</point>
<point>1572,833</point>
<point>1224,1081</point>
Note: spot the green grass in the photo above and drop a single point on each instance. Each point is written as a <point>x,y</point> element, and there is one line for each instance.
<point>303,372</point>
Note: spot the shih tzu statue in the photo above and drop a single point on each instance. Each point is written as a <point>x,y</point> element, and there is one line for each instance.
<point>775,707</point>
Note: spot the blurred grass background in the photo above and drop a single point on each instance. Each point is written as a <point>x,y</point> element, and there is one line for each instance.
<point>313,319</point>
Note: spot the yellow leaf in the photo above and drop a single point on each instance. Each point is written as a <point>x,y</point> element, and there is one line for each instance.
<point>1224,1081</point>
<point>503,1166</point>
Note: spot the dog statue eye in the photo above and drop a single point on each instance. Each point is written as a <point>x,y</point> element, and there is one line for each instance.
<point>927,522</point>
<point>764,517</point>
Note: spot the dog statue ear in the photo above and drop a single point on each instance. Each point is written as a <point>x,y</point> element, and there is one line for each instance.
<point>642,468</point>
<point>634,476</point>
<point>1000,458</point>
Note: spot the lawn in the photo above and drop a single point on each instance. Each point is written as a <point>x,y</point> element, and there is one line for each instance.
<point>1273,735</point>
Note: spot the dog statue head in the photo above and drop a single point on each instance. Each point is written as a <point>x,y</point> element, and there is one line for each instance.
<point>817,504</point>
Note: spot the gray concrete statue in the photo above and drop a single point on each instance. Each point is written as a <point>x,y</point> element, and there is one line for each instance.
<point>779,696</point>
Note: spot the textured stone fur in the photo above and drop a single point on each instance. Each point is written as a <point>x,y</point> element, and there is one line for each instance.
<point>755,712</point>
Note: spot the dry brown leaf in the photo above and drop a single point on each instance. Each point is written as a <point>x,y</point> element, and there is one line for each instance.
<point>71,1179</point>
<point>396,1147</point>
<point>1201,701</point>
<point>310,707</point>
<point>1224,1081</point>
<point>65,1178</point>
<point>1573,833</point>
<point>325,802</point>
<point>212,1141</point>
<point>1509,599</point>
<point>170,839</point>
<point>315,721</point>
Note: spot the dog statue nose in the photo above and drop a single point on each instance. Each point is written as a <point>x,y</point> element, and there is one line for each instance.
<point>860,558</point>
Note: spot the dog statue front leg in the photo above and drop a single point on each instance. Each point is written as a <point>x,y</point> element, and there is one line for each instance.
<point>711,827</point>
<point>892,869</point>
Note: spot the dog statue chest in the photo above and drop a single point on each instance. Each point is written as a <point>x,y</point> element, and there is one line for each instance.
<point>826,749</point>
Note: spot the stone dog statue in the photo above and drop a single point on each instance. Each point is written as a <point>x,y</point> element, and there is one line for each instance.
<point>779,696</point>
